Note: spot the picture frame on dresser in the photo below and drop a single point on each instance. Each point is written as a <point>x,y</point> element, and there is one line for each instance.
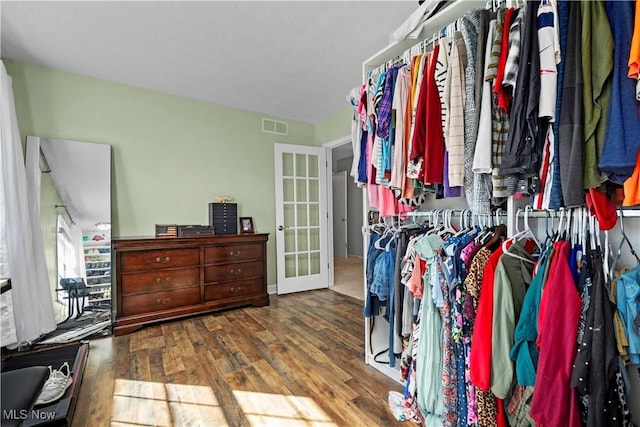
<point>246,225</point>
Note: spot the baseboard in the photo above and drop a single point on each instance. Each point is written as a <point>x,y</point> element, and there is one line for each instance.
<point>272,289</point>
<point>355,256</point>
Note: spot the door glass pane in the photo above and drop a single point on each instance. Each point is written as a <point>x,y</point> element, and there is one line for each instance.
<point>314,263</point>
<point>289,266</point>
<point>301,190</point>
<point>313,165</point>
<point>301,165</point>
<point>303,265</point>
<point>287,190</point>
<point>287,164</point>
<point>289,241</point>
<point>314,239</point>
<point>314,214</point>
<point>289,214</point>
<point>302,215</point>
<point>303,241</point>
<point>314,193</point>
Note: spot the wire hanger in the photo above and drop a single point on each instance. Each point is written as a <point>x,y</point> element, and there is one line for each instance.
<point>624,240</point>
<point>388,231</point>
<point>525,233</point>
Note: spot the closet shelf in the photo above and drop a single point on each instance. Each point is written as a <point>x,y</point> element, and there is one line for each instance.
<point>99,264</point>
<point>99,277</point>
<point>99,285</point>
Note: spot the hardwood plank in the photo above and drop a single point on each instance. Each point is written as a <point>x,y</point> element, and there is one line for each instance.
<point>97,383</point>
<point>296,362</point>
<point>224,393</point>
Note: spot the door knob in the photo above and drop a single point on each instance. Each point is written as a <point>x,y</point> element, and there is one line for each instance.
<point>282,227</point>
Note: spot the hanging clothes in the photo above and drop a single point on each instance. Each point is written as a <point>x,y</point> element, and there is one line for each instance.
<point>554,402</point>
<point>455,138</point>
<point>353,97</point>
<point>429,364</point>
<point>522,152</point>
<point>400,98</point>
<point>525,350</point>
<point>621,142</point>
<point>628,305</point>
<point>433,155</point>
<point>571,128</point>
<point>597,64</point>
<point>512,277</point>
<point>555,196</point>
<point>596,370</point>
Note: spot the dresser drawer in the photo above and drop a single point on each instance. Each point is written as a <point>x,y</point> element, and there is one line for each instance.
<point>161,280</point>
<point>158,259</point>
<point>220,291</point>
<point>159,301</point>
<point>235,271</point>
<point>232,253</point>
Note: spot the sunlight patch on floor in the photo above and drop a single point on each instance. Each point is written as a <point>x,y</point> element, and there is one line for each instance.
<point>138,403</point>
<point>146,403</point>
<point>265,409</point>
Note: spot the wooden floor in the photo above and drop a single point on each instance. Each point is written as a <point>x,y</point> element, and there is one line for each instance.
<point>297,362</point>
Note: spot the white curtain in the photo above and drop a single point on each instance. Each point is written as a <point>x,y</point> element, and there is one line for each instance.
<point>31,296</point>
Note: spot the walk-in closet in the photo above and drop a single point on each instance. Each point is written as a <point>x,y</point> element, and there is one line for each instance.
<point>498,152</point>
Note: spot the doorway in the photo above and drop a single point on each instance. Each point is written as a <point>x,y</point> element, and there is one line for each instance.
<point>348,250</point>
<point>340,215</point>
<point>301,218</point>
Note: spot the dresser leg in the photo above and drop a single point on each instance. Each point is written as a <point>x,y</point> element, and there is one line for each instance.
<point>261,301</point>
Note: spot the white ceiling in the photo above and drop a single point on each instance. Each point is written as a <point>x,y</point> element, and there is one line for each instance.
<point>290,59</point>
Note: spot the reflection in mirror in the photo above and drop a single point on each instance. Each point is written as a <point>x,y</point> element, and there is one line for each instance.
<point>75,210</point>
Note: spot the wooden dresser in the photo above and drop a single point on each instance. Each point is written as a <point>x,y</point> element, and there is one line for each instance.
<point>168,278</point>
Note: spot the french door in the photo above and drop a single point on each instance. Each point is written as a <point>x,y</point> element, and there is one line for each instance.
<point>301,218</point>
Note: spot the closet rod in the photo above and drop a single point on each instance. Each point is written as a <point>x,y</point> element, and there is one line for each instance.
<point>67,212</point>
<point>626,212</point>
<point>454,212</point>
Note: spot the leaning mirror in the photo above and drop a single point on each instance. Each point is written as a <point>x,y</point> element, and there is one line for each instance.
<point>75,211</point>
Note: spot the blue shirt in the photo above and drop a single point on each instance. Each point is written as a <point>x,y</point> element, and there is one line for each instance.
<point>628,302</point>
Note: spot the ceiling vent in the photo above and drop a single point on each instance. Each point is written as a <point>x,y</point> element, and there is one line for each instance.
<point>274,126</point>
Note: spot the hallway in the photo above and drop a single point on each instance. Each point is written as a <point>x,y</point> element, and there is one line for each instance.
<point>349,278</point>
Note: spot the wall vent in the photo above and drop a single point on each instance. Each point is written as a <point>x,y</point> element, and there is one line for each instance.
<point>274,126</point>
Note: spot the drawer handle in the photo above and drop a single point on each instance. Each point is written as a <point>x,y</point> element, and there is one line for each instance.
<point>159,280</point>
<point>163,301</point>
<point>236,290</point>
<point>235,253</point>
<point>236,272</point>
<point>163,260</point>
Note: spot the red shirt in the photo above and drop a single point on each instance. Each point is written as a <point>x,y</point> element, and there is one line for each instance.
<point>418,142</point>
<point>433,164</point>
<point>480,357</point>
<point>554,401</point>
<point>503,97</point>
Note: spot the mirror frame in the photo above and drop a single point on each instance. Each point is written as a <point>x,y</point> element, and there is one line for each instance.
<point>75,163</point>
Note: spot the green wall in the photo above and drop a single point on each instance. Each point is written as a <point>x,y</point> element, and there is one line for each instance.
<point>335,126</point>
<point>171,155</point>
